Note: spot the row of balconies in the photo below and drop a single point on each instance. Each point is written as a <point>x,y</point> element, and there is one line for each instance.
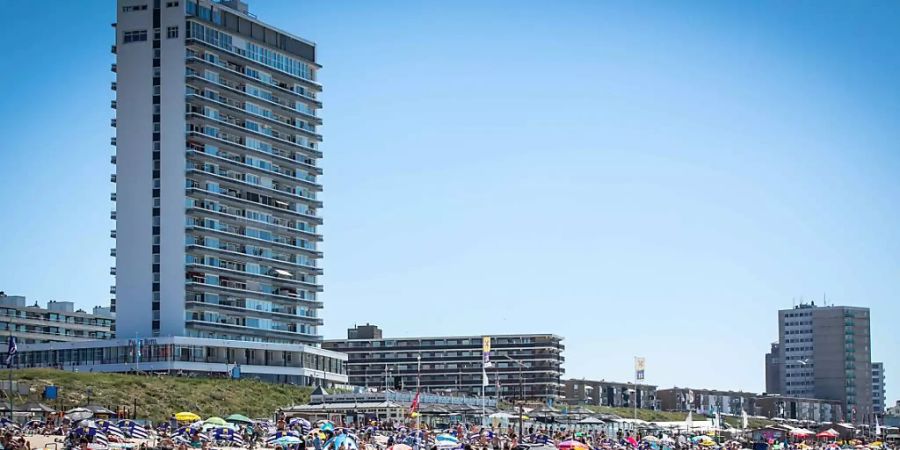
<point>240,321</point>
<point>240,303</point>
<point>260,253</point>
<point>291,122</point>
<point>230,284</point>
<point>237,229</point>
<point>307,177</point>
<point>253,198</point>
<point>240,179</point>
<point>235,281</point>
<point>265,132</point>
<point>228,64</point>
<point>219,136</point>
<point>239,215</point>
<point>240,269</point>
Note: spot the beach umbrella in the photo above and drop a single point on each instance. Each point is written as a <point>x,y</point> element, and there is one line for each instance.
<point>302,423</point>
<point>325,425</point>
<point>238,418</point>
<point>287,440</point>
<point>77,414</point>
<point>280,434</point>
<point>218,421</point>
<point>349,442</point>
<point>445,441</point>
<point>828,434</point>
<point>186,417</point>
<point>399,447</point>
<point>133,429</point>
<point>651,438</point>
<point>89,429</point>
<point>631,440</point>
<point>110,429</point>
<point>572,445</point>
<point>227,435</point>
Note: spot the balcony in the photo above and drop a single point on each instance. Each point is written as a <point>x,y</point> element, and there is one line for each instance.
<point>240,71</point>
<point>256,200</point>
<point>268,134</point>
<point>112,49</point>
<point>113,86</point>
<point>112,140</point>
<point>112,122</point>
<point>112,104</point>
<point>226,286</point>
<point>112,234</point>
<point>237,161</point>
<point>112,196</point>
<point>112,290</point>
<point>239,107</point>
<point>236,229</point>
<point>226,62</point>
<point>218,136</point>
<point>112,270</point>
<point>225,80</point>
<point>113,67</point>
<point>112,215</point>
<point>112,159</point>
<point>112,252</point>
<point>112,178</point>
<point>239,180</point>
<point>229,269</point>
<point>238,305</point>
<point>227,248</point>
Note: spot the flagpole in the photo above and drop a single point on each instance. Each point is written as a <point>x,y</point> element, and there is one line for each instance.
<point>418,387</point>
<point>9,367</point>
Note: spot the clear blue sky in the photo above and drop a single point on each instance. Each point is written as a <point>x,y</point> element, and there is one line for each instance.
<point>641,178</point>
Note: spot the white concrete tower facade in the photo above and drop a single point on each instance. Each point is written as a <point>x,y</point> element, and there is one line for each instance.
<point>216,175</point>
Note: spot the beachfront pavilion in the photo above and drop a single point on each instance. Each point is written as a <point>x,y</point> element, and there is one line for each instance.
<point>391,405</point>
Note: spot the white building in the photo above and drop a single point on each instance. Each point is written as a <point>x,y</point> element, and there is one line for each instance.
<point>216,185</point>
<point>58,322</point>
<point>216,175</point>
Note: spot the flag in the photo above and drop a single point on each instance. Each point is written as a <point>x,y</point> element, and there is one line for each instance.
<point>484,377</point>
<point>877,426</point>
<point>690,420</point>
<point>744,420</point>
<point>11,351</point>
<point>639,365</point>
<point>415,404</point>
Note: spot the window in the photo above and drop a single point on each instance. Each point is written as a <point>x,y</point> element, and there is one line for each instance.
<point>135,36</point>
<point>171,4</point>
<point>134,8</point>
<point>172,32</point>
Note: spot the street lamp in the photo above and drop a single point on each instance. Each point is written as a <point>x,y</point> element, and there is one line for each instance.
<point>521,396</point>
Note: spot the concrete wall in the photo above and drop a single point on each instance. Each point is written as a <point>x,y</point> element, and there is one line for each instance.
<point>172,166</point>
<point>134,172</point>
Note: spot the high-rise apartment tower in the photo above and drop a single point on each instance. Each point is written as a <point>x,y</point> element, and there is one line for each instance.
<point>216,178</point>
<point>824,352</point>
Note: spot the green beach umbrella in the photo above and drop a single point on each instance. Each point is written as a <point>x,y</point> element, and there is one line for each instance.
<point>238,418</point>
<point>215,421</point>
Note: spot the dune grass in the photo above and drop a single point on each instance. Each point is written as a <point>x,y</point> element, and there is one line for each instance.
<point>158,397</point>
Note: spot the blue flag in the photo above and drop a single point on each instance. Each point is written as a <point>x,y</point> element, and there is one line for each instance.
<point>11,351</point>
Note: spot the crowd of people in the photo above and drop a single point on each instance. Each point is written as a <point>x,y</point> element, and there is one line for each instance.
<point>283,433</point>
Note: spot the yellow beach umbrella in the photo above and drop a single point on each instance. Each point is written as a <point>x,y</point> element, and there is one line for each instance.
<point>186,417</point>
